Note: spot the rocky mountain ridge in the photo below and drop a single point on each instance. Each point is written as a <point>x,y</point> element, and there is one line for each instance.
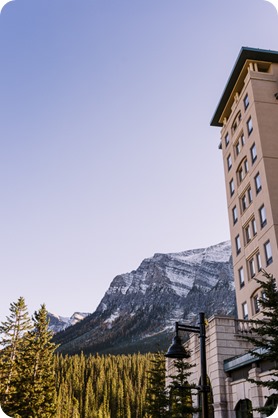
<point>138,311</point>
<point>58,323</point>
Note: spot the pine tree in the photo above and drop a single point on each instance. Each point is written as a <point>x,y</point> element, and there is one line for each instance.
<point>36,380</point>
<point>12,330</point>
<point>157,399</point>
<point>265,336</point>
<point>180,391</point>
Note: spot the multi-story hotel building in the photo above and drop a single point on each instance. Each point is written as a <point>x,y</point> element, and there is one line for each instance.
<point>248,115</point>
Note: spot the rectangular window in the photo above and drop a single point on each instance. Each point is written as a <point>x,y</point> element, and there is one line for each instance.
<point>238,246</point>
<point>262,213</point>
<point>259,261</point>
<point>237,147</point>
<point>245,166</point>
<point>242,140</point>
<point>256,304</point>
<point>244,203</point>
<point>252,270</point>
<point>258,183</point>
<point>241,277</point>
<point>232,187</point>
<point>246,101</point>
<point>247,234</point>
<point>249,126</point>
<point>253,152</point>
<point>250,198</point>
<point>235,218</point>
<point>227,139</point>
<point>245,311</point>
<point>254,226</point>
<point>268,253</point>
<point>240,174</point>
<point>229,162</point>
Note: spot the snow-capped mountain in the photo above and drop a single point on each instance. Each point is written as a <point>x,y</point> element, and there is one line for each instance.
<point>59,323</point>
<point>140,308</point>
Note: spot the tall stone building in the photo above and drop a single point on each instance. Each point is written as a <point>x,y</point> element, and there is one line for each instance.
<point>248,117</point>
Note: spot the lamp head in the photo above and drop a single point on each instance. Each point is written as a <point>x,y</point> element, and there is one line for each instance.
<point>176,350</point>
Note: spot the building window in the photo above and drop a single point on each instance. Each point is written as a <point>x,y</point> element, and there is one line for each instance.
<point>247,231</point>
<point>246,101</point>
<point>244,203</point>
<point>240,174</point>
<point>262,213</point>
<point>254,226</point>
<point>236,122</point>
<point>259,261</point>
<point>242,170</point>
<point>235,217</point>
<point>238,246</point>
<point>245,163</point>
<point>242,139</point>
<point>268,253</point>
<point>232,187</point>
<point>227,139</point>
<point>250,198</point>
<point>241,277</point>
<point>245,311</point>
<point>229,162</point>
<point>252,270</point>
<point>256,304</point>
<point>258,183</point>
<point>253,153</point>
<point>237,148</point>
<point>249,126</point>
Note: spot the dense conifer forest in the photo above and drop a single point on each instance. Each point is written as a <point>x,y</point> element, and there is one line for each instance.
<point>102,386</point>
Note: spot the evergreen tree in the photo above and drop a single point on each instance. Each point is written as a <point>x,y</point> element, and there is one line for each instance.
<point>12,330</point>
<point>36,379</point>
<point>157,399</point>
<point>265,336</point>
<point>180,391</point>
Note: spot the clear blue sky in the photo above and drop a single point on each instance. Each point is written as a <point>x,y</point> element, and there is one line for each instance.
<point>107,154</point>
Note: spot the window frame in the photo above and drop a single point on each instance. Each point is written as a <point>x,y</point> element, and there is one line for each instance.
<point>241,277</point>
<point>227,139</point>
<point>252,268</point>
<point>258,183</point>
<point>253,152</point>
<point>249,125</point>
<point>245,311</point>
<point>235,214</point>
<point>232,187</point>
<point>268,252</point>
<point>263,217</point>
<point>238,244</point>
<point>246,101</point>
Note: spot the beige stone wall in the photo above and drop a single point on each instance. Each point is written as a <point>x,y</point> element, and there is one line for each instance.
<point>263,109</point>
<point>223,342</point>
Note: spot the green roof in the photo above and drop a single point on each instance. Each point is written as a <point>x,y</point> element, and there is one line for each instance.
<point>245,54</point>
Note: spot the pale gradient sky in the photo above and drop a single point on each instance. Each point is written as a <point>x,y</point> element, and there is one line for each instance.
<point>107,154</point>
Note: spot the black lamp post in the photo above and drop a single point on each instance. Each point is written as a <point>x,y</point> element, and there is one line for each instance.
<point>177,351</point>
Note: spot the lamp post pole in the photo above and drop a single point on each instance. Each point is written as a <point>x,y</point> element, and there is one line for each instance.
<point>177,351</point>
<point>203,364</point>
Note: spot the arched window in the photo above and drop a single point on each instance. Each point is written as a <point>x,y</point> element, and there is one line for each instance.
<point>244,409</point>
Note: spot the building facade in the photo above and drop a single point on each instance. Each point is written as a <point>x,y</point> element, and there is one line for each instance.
<point>247,114</point>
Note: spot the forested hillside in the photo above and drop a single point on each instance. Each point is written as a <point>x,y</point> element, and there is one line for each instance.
<point>102,386</point>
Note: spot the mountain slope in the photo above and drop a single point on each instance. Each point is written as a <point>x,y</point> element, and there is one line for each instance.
<point>58,323</point>
<point>139,309</point>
